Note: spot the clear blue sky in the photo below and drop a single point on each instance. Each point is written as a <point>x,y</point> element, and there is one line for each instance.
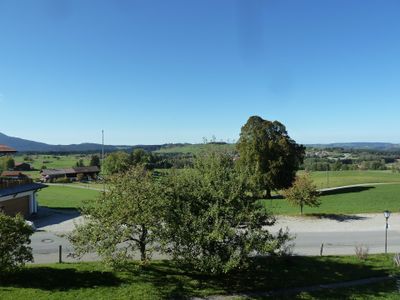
<point>176,71</point>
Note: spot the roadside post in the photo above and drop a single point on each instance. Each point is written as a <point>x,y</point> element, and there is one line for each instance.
<point>60,254</point>
<point>386,214</point>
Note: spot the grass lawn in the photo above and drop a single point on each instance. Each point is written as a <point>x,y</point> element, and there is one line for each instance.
<point>163,280</point>
<point>64,196</point>
<point>365,199</point>
<point>197,148</point>
<point>382,290</point>
<point>54,161</point>
<point>341,178</point>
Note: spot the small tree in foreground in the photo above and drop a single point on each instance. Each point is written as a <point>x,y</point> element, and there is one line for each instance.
<point>303,192</point>
<point>211,223</point>
<point>14,240</point>
<point>122,220</point>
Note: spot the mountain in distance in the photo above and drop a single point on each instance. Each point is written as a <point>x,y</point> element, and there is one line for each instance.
<point>23,145</point>
<point>359,145</point>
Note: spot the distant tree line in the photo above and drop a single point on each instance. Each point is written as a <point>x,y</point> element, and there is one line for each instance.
<point>358,160</point>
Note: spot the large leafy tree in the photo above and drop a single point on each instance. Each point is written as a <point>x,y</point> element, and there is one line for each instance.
<point>123,220</point>
<point>211,224</point>
<point>269,158</point>
<point>14,242</point>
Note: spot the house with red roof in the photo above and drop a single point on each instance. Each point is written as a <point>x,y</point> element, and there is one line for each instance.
<point>17,191</point>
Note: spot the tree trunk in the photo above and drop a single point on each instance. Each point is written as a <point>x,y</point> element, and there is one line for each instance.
<point>268,193</point>
<point>142,244</point>
<point>301,209</point>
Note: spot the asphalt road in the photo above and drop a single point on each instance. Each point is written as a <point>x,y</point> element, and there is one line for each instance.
<point>45,245</point>
<point>339,243</point>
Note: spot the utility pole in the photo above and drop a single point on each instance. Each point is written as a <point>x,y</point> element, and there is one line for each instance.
<point>102,159</point>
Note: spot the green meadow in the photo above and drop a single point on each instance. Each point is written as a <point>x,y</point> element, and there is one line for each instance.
<point>65,196</point>
<point>342,178</point>
<point>350,200</point>
<point>197,148</point>
<point>54,161</point>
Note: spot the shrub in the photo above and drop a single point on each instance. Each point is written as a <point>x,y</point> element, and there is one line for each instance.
<point>62,180</point>
<point>361,252</point>
<point>14,241</point>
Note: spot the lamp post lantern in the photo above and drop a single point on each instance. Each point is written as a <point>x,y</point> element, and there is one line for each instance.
<point>386,214</point>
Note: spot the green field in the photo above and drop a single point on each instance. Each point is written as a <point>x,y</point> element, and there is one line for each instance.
<point>363,199</point>
<point>54,161</point>
<point>162,280</point>
<point>342,178</point>
<point>197,148</point>
<point>64,196</point>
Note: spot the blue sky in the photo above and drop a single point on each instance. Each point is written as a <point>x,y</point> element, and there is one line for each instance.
<point>151,72</point>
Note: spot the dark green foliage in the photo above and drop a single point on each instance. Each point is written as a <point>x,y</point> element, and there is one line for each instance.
<point>269,158</point>
<point>14,240</point>
<point>7,163</point>
<point>116,162</point>
<point>95,161</point>
<point>80,163</point>
<point>211,224</point>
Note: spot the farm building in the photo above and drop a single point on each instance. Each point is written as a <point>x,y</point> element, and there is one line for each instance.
<point>13,174</point>
<point>90,172</point>
<point>5,150</point>
<point>22,166</point>
<point>17,191</point>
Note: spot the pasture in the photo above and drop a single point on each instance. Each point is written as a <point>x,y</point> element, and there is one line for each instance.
<point>164,280</point>
<point>65,196</point>
<point>196,149</point>
<point>350,200</point>
<point>54,161</point>
<point>325,179</point>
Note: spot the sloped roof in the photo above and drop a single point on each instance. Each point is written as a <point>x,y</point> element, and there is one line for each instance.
<point>7,149</point>
<point>12,174</point>
<point>21,189</point>
<point>17,164</point>
<point>52,172</point>
<point>88,169</point>
<point>75,170</point>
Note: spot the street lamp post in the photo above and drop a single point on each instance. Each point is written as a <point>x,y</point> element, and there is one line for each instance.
<point>386,214</point>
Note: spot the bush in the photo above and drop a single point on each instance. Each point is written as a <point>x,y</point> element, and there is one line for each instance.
<point>62,180</point>
<point>14,241</point>
<point>361,252</point>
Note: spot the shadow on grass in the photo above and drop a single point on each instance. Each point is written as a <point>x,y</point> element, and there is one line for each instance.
<point>345,190</point>
<point>382,290</point>
<point>52,279</point>
<point>265,274</point>
<point>336,217</point>
<point>172,282</point>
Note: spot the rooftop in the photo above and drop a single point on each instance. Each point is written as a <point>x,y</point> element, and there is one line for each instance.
<point>4,149</point>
